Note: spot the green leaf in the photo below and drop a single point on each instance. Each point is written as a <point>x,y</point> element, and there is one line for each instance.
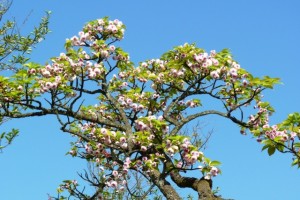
<point>280,148</point>
<point>271,150</point>
<point>215,163</point>
<point>297,145</point>
<point>265,147</point>
<point>207,160</point>
<point>296,162</point>
<point>68,44</point>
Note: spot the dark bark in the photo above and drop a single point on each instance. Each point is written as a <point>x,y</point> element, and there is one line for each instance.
<point>164,186</point>
<point>202,186</point>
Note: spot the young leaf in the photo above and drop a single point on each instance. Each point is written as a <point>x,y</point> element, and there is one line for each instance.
<point>271,150</point>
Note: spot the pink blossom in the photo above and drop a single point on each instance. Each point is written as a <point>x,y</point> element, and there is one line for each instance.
<point>140,107</point>
<point>184,146</point>
<point>81,33</point>
<point>233,72</point>
<point>179,164</point>
<point>129,101</point>
<point>125,170</point>
<point>201,57</point>
<point>48,67</point>
<point>122,75</point>
<point>88,149</point>
<point>115,173</point>
<point>89,64</point>
<point>49,85</point>
<point>114,184</point>
<point>180,73</point>
<point>194,158</point>
<point>207,63</point>
<point>100,22</point>
<point>121,99</point>
<point>100,29</point>
<point>143,148</point>
<point>124,145</point>
<point>104,54</point>
<point>97,71</point>
<point>170,150</point>
<point>113,133</point>
<point>54,85</point>
<point>127,160</point>
<point>145,65</point>
<point>124,84</point>
<point>107,140</point>
<point>151,137</point>
<point>191,104</point>
<point>103,131</point>
<point>213,53</point>
<point>155,96</point>
<point>122,139</point>
<point>195,153</point>
<point>32,71</point>
<point>215,62</point>
<point>214,171</point>
<point>99,146</point>
<point>285,137</point>
<point>266,126</point>
<point>214,75</point>
<point>112,28</point>
<point>75,40</point>
<point>293,135</point>
<point>112,48</point>
<point>144,158</point>
<point>139,162</point>
<point>20,87</point>
<point>45,73</point>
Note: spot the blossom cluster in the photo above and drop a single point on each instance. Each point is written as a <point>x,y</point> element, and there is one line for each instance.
<point>80,62</point>
<point>128,103</point>
<point>189,154</point>
<point>274,132</point>
<point>214,171</point>
<point>106,28</point>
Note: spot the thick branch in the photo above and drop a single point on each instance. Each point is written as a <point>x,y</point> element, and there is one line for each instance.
<point>75,115</point>
<point>164,186</point>
<point>207,112</point>
<point>202,186</point>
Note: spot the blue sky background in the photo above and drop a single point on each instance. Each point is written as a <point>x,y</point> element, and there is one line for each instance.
<point>263,36</point>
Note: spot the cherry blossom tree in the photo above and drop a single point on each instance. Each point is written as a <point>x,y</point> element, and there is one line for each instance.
<point>128,120</point>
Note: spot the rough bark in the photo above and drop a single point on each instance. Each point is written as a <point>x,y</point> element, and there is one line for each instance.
<point>164,186</point>
<point>202,186</point>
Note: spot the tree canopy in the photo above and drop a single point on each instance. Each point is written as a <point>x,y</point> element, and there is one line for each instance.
<point>135,129</point>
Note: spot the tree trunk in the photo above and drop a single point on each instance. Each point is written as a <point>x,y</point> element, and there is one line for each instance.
<point>164,186</point>
<point>202,186</point>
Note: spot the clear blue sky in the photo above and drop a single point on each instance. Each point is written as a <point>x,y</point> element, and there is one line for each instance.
<point>262,35</point>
